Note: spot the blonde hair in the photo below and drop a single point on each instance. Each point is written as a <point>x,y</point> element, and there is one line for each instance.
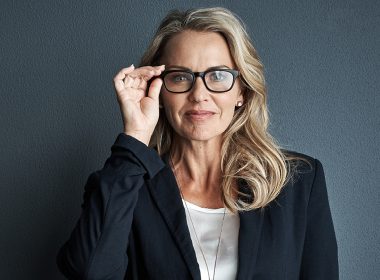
<point>249,154</point>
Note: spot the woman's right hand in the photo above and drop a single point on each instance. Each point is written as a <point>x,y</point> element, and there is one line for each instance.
<point>139,105</point>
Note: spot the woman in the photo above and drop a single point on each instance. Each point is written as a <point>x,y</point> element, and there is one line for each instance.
<point>215,198</point>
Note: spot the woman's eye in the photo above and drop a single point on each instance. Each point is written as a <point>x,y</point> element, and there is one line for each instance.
<point>218,76</point>
<point>180,78</point>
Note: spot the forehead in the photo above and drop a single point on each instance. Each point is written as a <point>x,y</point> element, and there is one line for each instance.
<point>197,51</point>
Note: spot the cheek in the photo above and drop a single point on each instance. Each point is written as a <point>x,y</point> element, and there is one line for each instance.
<point>228,109</point>
<point>171,104</point>
<point>228,105</point>
<point>228,113</point>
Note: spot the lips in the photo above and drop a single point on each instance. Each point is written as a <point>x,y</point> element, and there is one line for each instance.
<point>199,114</point>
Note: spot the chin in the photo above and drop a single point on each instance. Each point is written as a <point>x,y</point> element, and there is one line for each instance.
<point>202,135</point>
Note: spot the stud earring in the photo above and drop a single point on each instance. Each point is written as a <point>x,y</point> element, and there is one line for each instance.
<point>239,104</point>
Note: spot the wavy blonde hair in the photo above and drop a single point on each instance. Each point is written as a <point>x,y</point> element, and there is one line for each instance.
<point>249,153</point>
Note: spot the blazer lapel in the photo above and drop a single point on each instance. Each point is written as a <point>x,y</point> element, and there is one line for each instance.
<point>251,223</point>
<point>165,192</point>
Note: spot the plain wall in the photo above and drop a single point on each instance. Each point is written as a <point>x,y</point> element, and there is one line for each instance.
<point>59,115</point>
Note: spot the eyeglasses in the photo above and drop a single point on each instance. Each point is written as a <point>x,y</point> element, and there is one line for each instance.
<point>215,80</point>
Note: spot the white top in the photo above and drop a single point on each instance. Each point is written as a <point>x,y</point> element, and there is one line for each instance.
<point>207,223</point>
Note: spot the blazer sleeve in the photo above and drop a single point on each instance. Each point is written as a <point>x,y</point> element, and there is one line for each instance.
<point>320,253</point>
<point>98,244</point>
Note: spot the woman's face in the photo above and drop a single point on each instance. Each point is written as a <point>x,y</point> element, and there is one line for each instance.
<point>199,114</point>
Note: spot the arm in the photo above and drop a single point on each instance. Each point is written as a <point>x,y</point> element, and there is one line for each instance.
<point>320,254</point>
<point>97,246</point>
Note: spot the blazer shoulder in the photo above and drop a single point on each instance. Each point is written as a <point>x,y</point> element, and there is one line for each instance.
<point>303,170</point>
<point>300,163</point>
<point>305,174</point>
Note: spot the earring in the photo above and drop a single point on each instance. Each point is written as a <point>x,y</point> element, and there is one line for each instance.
<point>239,104</point>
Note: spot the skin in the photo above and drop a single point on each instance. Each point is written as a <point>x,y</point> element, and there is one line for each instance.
<point>199,117</point>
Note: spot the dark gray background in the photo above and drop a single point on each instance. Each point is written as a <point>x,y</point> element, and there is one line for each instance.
<point>59,116</point>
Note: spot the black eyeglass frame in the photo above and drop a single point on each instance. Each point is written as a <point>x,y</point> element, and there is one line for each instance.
<point>235,74</point>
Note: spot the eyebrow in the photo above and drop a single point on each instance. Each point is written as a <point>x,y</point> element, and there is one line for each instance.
<point>175,67</point>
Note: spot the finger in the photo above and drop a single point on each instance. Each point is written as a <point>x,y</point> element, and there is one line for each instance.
<point>152,68</point>
<point>161,67</point>
<point>158,69</point>
<point>124,72</point>
<point>126,76</point>
<point>136,82</point>
<point>118,79</point>
<point>128,82</point>
<point>155,88</point>
<point>148,71</point>
<point>145,74</point>
<point>119,85</point>
<point>143,84</point>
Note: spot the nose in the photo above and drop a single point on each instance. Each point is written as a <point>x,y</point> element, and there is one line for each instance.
<point>199,92</point>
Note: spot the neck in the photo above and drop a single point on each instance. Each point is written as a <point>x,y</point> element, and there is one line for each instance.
<point>196,165</point>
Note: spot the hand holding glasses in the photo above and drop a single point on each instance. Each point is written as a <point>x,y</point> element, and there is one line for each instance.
<point>137,91</point>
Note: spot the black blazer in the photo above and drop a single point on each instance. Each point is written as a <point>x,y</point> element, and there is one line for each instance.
<point>133,226</point>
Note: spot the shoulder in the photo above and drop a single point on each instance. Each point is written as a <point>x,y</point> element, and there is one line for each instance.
<point>299,163</point>
<point>305,173</point>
